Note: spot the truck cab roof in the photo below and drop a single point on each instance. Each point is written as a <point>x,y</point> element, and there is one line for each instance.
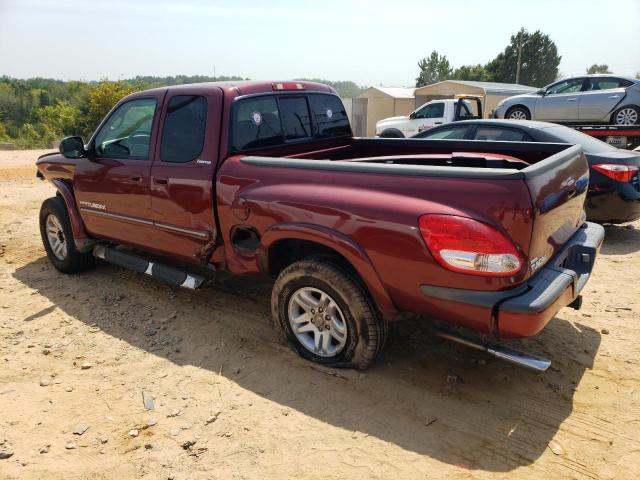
<point>246,87</point>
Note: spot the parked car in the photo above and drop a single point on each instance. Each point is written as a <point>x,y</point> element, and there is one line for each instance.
<point>584,99</point>
<point>614,187</point>
<point>260,177</point>
<point>430,114</point>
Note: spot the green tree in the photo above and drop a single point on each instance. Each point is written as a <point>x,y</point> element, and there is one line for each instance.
<point>471,72</point>
<point>4,136</point>
<point>101,100</point>
<point>433,68</point>
<point>638,75</point>
<point>60,119</point>
<point>595,68</point>
<point>344,88</point>
<point>29,137</point>
<point>539,60</point>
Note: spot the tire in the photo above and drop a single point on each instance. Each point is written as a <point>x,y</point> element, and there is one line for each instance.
<point>391,134</point>
<point>628,115</point>
<point>518,113</point>
<point>362,331</point>
<point>55,224</point>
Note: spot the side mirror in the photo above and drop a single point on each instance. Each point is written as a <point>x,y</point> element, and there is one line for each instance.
<point>72,147</point>
<point>542,92</point>
<point>413,115</point>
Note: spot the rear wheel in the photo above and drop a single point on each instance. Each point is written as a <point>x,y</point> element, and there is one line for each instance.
<point>518,113</point>
<point>628,115</point>
<point>326,315</point>
<point>57,238</point>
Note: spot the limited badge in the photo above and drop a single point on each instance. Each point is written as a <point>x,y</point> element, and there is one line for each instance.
<point>256,118</point>
<point>329,113</point>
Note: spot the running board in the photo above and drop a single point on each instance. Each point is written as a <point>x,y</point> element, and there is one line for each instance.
<point>502,352</point>
<point>170,275</point>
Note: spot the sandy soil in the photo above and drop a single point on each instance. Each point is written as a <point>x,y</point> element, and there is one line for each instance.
<point>78,352</point>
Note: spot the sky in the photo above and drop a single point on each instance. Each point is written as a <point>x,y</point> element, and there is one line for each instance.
<point>370,42</point>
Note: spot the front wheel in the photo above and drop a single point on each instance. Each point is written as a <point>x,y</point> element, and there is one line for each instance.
<point>518,113</point>
<point>325,314</point>
<point>626,116</point>
<point>57,237</point>
<point>393,133</point>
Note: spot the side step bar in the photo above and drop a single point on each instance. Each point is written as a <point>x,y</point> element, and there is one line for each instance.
<point>170,275</point>
<point>502,352</point>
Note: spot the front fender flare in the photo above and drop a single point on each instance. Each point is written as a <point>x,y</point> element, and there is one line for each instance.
<point>339,242</point>
<point>81,239</point>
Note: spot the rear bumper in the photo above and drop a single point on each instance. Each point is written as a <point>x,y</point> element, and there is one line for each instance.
<point>525,310</point>
<point>613,203</point>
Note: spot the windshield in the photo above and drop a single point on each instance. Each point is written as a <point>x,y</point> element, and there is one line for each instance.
<point>589,144</point>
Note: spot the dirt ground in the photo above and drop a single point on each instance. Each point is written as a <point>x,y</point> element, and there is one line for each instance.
<point>229,402</point>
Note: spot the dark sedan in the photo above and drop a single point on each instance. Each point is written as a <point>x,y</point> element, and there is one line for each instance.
<point>614,185</point>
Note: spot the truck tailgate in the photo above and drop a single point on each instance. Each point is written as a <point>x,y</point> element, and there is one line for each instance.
<point>558,188</point>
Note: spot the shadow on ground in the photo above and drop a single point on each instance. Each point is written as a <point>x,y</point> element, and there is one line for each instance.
<point>620,240</point>
<point>424,395</point>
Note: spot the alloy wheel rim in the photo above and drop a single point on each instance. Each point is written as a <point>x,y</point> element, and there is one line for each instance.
<point>627,116</point>
<point>317,322</point>
<point>55,237</point>
<point>518,115</point>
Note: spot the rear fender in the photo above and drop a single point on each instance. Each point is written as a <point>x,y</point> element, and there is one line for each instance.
<point>338,242</point>
<point>81,239</point>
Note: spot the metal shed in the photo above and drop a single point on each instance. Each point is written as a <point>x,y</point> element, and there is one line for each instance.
<point>376,103</point>
<point>490,92</point>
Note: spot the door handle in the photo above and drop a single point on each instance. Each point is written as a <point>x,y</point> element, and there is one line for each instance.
<point>160,180</point>
<point>438,123</point>
<point>136,177</point>
<point>571,99</point>
<point>614,96</point>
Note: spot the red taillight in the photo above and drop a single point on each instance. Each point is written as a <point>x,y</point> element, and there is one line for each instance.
<point>619,173</point>
<point>466,245</point>
<point>287,86</point>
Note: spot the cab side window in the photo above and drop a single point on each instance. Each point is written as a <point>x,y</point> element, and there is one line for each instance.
<point>455,132</point>
<point>127,132</point>
<point>500,134</point>
<point>566,86</point>
<point>433,110</point>
<point>184,128</point>
<point>603,84</point>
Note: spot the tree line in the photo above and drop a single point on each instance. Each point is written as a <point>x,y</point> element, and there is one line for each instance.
<point>37,111</point>
<point>535,53</point>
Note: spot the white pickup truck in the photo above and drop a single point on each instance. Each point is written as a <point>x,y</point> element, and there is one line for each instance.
<point>431,114</point>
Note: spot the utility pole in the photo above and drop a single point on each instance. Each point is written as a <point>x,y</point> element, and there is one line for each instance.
<point>214,73</point>
<point>520,45</point>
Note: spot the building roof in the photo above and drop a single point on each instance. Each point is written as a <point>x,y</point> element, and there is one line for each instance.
<point>395,92</point>
<point>490,88</point>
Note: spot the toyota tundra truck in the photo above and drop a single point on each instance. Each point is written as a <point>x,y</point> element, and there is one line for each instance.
<point>260,177</point>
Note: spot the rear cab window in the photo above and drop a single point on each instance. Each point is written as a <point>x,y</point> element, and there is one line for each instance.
<point>277,119</point>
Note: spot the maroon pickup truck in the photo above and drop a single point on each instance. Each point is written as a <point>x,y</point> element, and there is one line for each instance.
<point>266,177</point>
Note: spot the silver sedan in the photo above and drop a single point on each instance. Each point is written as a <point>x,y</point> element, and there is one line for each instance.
<point>586,99</point>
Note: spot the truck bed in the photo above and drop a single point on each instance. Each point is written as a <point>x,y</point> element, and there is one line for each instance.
<point>534,191</point>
